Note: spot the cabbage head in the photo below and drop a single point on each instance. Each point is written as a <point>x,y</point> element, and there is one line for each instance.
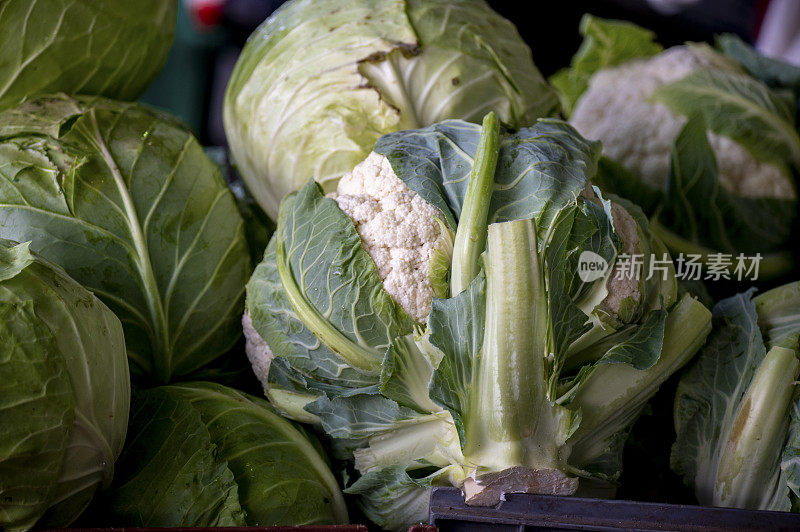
<point>113,49</point>
<point>64,392</point>
<point>202,454</point>
<point>127,202</point>
<point>320,81</point>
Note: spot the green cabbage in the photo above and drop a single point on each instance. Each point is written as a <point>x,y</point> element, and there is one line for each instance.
<point>124,199</point>
<point>64,392</point>
<point>202,454</point>
<point>112,49</point>
<point>320,81</point>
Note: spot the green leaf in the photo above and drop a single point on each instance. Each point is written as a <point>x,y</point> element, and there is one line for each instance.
<point>435,162</point>
<point>75,346</point>
<point>779,315</point>
<point>775,73</point>
<point>113,50</point>
<point>406,375</point>
<point>170,473</point>
<point>613,178</point>
<point>288,392</point>
<point>739,107</point>
<point>641,349</point>
<point>332,283</point>
<point>568,321</point>
<point>392,499</point>
<point>606,43</point>
<point>700,210</point>
<point>127,202</point>
<point>287,336</point>
<point>357,417</point>
<point>282,479</point>
<point>540,168</point>
<point>456,329</point>
<point>202,454</point>
<point>37,410</point>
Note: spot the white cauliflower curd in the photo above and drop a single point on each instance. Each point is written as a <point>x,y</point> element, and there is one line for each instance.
<point>399,230</point>
<point>638,133</point>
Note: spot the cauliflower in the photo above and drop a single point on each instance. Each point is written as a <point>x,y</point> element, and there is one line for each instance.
<point>622,287</point>
<point>616,110</point>
<point>258,352</point>
<point>400,231</point>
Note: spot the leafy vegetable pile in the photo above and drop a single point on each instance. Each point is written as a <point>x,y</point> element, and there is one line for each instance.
<point>443,302</point>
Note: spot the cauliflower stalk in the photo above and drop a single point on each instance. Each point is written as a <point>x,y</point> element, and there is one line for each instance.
<point>430,318</point>
<point>695,135</point>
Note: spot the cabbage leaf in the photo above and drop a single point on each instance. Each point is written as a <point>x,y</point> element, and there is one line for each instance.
<point>126,201</point>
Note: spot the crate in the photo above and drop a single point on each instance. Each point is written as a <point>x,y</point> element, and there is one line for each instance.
<point>523,513</point>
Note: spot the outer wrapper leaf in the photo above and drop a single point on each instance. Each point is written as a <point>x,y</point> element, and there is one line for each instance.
<point>606,43</point>
<point>337,279</point>
<point>74,347</point>
<point>113,49</point>
<point>775,73</point>
<point>126,200</point>
<point>738,107</point>
<point>391,498</point>
<point>207,455</point>
<point>713,416</point>
<point>540,168</point>
<point>698,208</point>
<point>35,427</point>
<point>457,326</point>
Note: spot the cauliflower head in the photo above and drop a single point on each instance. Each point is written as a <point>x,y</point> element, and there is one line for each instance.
<point>616,109</point>
<point>400,231</point>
